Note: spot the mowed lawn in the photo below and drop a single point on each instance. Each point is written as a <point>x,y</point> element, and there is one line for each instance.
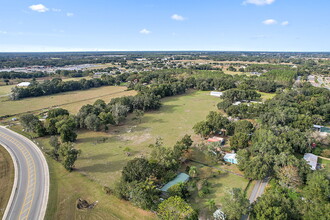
<point>219,183</point>
<point>5,90</point>
<point>103,155</point>
<point>265,96</point>
<point>68,100</point>
<point>6,179</point>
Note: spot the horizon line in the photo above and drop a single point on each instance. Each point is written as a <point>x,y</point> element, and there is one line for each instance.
<point>114,51</point>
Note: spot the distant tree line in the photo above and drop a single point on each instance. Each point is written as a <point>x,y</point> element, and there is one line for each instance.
<point>22,75</point>
<point>57,85</point>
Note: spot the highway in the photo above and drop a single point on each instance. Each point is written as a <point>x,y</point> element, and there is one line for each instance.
<point>29,196</point>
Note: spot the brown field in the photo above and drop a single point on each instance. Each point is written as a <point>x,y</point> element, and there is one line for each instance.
<point>68,100</point>
<point>6,179</point>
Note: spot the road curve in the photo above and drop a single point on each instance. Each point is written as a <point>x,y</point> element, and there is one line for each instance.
<point>29,196</point>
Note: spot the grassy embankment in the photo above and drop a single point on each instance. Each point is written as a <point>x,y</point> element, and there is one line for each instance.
<point>7,174</point>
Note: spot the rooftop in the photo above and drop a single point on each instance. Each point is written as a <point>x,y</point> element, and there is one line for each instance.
<point>311,160</point>
<point>181,178</point>
<point>230,156</point>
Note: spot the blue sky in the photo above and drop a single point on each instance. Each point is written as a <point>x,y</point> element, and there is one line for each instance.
<point>81,25</point>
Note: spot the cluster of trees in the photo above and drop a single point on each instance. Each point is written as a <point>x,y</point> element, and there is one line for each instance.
<point>215,123</point>
<point>272,151</point>
<point>57,59</point>
<point>197,79</point>
<point>98,116</point>
<point>299,109</point>
<point>284,76</point>
<point>264,67</point>
<point>22,75</point>
<point>57,86</point>
<point>64,152</point>
<point>242,110</point>
<point>142,178</point>
<point>234,95</point>
<point>58,122</point>
<point>311,202</point>
<point>164,89</point>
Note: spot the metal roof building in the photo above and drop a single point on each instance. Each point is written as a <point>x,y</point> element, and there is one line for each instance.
<point>311,160</point>
<point>216,94</point>
<point>23,84</point>
<point>181,178</point>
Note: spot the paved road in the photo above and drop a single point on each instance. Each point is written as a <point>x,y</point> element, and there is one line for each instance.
<point>31,186</point>
<point>258,189</point>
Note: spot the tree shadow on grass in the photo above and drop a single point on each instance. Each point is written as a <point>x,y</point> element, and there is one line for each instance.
<point>96,157</point>
<point>97,140</point>
<point>108,167</point>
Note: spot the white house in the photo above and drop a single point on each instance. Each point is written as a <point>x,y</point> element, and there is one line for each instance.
<point>23,84</point>
<point>216,94</point>
<point>311,160</point>
<point>231,158</point>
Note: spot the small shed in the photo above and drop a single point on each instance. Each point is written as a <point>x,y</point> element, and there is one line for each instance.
<point>215,139</point>
<point>311,160</point>
<point>317,127</point>
<point>325,129</point>
<point>231,158</point>
<point>23,84</point>
<point>181,178</point>
<point>216,94</point>
<point>237,103</point>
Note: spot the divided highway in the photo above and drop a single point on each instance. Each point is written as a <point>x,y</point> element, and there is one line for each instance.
<point>29,196</point>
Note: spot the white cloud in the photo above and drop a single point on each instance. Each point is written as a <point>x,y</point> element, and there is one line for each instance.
<point>269,22</point>
<point>56,10</point>
<point>3,32</point>
<point>145,31</point>
<point>177,17</point>
<point>39,8</point>
<point>285,23</point>
<point>259,2</point>
<point>69,14</point>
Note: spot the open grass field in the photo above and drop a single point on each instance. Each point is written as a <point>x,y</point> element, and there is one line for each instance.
<point>66,188</point>
<point>234,73</point>
<point>4,90</point>
<point>6,179</point>
<point>265,96</point>
<point>68,100</point>
<point>103,155</point>
<point>219,183</point>
<point>326,164</point>
<point>103,158</point>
